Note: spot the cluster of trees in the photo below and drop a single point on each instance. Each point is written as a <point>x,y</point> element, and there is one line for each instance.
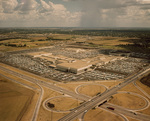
<point>16,44</point>
<point>142,42</point>
<point>114,32</point>
<point>141,45</point>
<point>50,105</point>
<point>146,80</point>
<point>1,39</point>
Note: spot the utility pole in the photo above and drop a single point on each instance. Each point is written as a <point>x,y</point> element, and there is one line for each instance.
<point>51,116</point>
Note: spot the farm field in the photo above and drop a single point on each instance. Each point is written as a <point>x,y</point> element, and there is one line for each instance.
<point>14,100</point>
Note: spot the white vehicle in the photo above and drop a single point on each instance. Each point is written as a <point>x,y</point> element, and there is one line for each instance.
<point>75,111</point>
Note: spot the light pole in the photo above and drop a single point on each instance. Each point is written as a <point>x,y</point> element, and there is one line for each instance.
<point>51,116</point>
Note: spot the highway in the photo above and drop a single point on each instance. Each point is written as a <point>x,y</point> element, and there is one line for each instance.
<point>46,84</point>
<point>90,102</point>
<point>126,112</point>
<point>100,98</point>
<point>25,85</point>
<point>38,104</point>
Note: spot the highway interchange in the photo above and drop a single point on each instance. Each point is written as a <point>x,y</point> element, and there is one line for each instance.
<point>100,98</point>
<point>89,102</point>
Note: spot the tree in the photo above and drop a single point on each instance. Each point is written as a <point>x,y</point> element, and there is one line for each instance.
<point>50,105</point>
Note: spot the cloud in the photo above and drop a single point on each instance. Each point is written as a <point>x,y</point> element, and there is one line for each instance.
<point>104,13</point>
<point>36,13</point>
<point>89,13</point>
<point>8,6</point>
<point>45,7</point>
<point>57,7</point>
<point>26,6</point>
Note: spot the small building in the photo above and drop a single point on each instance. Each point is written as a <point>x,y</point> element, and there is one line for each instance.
<point>76,67</point>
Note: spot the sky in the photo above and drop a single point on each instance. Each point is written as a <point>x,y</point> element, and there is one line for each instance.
<point>74,13</point>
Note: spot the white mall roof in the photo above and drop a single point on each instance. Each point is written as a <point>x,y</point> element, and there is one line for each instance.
<point>78,64</point>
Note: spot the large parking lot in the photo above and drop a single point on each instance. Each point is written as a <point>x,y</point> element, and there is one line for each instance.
<point>111,69</point>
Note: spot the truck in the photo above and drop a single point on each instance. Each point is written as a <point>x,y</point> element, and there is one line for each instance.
<point>110,108</point>
<point>102,103</point>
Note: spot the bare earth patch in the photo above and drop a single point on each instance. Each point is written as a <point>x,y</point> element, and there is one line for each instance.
<point>45,115</point>
<point>64,103</point>
<point>131,88</point>
<point>91,90</point>
<point>14,100</point>
<point>69,86</point>
<point>128,101</point>
<point>131,119</point>
<point>101,115</point>
<point>146,111</point>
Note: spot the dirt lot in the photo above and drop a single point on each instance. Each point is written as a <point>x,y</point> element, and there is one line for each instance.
<point>64,103</point>
<point>91,90</point>
<point>101,115</point>
<point>128,101</point>
<point>131,119</point>
<point>131,88</point>
<point>14,100</point>
<point>45,115</point>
